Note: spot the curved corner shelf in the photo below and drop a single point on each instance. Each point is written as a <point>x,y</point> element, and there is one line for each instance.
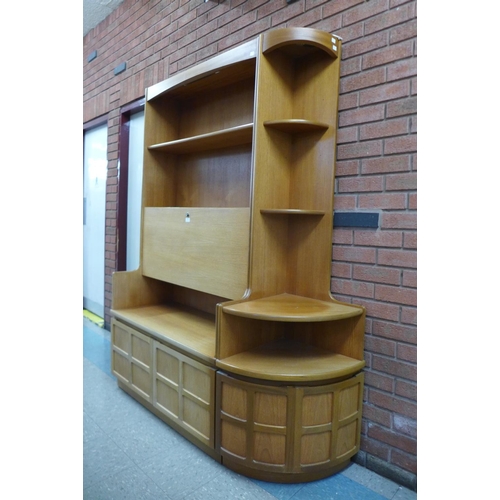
<point>234,136</point>
<point>296,126</point>
<point>292,308</point>
<point>299,37</point>
<point>290,211</point>
<point>293,362</point>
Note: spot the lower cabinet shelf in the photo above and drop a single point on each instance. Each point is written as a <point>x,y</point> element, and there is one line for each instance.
<point>292,362</point>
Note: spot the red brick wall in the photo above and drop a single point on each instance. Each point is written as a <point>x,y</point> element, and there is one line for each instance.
<point>376,164</point>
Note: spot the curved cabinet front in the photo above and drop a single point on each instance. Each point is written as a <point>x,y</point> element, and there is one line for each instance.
<point>287,433</point>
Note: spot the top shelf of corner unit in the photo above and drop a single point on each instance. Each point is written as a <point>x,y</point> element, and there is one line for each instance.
<point>292,308</point>
<point>234,136</point>
<point>300,41</point>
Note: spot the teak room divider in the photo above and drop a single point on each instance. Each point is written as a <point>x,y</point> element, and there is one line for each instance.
<point>228,331</point>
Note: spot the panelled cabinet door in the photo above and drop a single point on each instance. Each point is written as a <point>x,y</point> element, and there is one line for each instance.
<point>254,428</point>
<point>131,358</point>
<point>328,426</point>
<point>184,391</point>
<point>288,429</point>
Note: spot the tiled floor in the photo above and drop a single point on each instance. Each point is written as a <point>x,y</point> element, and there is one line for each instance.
<point>128,453</point>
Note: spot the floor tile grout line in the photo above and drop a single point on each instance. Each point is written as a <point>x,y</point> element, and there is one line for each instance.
<point>202,485</point>
<point>296,493</point>
<point>368,485</point>
<point>154,482</point>
<point>134,464</point>
<point>111,438</point>
<point>400,488</point>
<point>99,368</point>
<point>107,478</point>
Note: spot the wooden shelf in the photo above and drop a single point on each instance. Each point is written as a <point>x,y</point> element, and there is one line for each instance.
<point>292,308</point>
<point>290,211</point>
<point>296,126</point>
<point>229,67</point>
<point>234,136</point>
<point>299,41</point>
<point>290,361</point>
<point>188,330</point>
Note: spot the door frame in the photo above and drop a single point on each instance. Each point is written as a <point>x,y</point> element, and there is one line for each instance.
<point>124,144</point>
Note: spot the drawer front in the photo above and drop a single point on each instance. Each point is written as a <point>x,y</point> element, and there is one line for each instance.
<point>131,358</point>
<point>184,391</point>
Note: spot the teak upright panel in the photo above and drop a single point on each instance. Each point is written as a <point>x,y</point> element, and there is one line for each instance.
<point>228,331</point>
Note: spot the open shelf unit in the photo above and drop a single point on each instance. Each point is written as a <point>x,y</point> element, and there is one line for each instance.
<point>227,330</point>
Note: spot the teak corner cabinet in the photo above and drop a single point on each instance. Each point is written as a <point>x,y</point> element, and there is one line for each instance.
<point>228,331</point>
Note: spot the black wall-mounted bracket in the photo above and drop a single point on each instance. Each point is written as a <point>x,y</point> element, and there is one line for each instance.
<point>356,219</point>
